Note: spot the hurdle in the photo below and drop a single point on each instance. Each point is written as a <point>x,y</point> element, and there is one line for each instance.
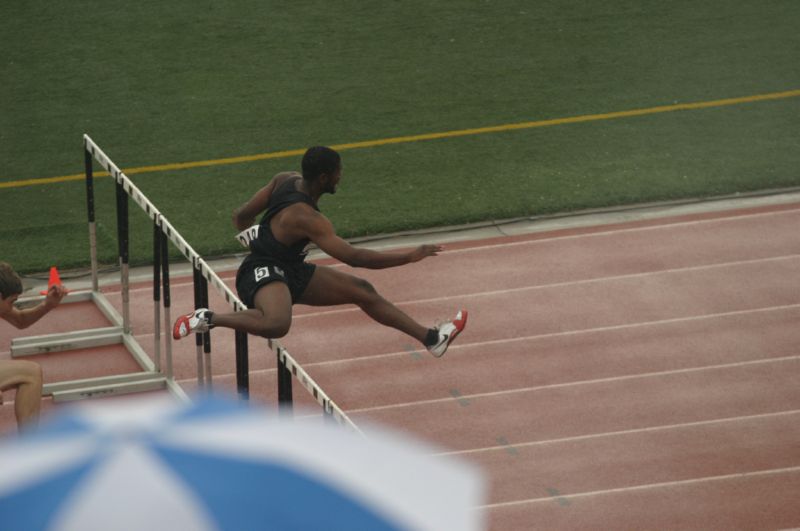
<point>203,276</point>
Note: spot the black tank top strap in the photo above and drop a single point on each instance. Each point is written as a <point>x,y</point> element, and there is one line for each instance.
<point>266,245</point>
<point>285,195</point>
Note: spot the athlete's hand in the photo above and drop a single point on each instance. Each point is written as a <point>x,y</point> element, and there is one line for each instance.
<point>54,295</point>
<point>424,251</point>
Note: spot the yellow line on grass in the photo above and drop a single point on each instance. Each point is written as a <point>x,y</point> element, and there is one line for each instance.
<point>423,137</point>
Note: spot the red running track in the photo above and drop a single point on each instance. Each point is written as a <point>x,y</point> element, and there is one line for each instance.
<point>641,375</point>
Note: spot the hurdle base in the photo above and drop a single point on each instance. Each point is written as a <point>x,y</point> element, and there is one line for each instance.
<point>122,384</point>
<point>149,379</point>
<point>80,339</point>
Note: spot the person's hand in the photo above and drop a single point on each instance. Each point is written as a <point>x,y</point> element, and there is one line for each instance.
<point>54,296</point>
<point>424,251</point>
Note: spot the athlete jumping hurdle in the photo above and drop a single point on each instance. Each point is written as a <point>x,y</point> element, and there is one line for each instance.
<point>275,275</point>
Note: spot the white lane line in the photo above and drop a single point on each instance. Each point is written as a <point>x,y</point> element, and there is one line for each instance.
<point>563,385</point>
<point>570,283</point>
<point>567,333</point>
<point>536,337</point>
<point>651,429</point>
<point>613,232</point>
<point>649,486</point>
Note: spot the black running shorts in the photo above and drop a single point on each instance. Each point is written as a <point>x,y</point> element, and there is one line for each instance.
<point>256,272</point>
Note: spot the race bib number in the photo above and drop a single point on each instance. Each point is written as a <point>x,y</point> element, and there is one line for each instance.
<point>264,272</point>
<point>261,272</point>
<point>248,235</point>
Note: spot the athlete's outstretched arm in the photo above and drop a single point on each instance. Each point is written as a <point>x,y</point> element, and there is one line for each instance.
<point>25,318</point>
<point>320,230</point>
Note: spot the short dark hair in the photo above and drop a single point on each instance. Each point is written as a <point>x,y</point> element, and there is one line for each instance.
<point>10,283</point>
<point>319,160</point>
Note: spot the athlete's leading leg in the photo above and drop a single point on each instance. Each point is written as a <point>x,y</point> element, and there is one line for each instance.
<point>329,287</point>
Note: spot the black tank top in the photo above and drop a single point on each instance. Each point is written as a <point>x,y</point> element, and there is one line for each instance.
<point>266,246</point>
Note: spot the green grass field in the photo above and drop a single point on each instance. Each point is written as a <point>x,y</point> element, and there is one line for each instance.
<point>155,83</point>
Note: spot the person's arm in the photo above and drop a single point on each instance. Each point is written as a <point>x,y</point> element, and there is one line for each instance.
<point>320,230</point>
<point>25,318</point>
<point>245,216</point>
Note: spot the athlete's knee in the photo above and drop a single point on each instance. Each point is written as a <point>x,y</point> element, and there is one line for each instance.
<point>367,297</point>
<point>274,329</point>
<point>278,331</point>
<point>34,372</point>
<point>365,290</point>
<point>26,373</point>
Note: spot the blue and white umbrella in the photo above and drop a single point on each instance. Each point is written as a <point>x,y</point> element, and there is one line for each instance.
<point>152,464</point>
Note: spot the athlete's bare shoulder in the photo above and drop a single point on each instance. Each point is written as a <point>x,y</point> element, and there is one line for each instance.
<point>284,176</point>
<point>245,215</point>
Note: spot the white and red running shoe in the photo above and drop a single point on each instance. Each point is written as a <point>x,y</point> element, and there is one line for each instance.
<point>447,333</point>
<point>191,323</point>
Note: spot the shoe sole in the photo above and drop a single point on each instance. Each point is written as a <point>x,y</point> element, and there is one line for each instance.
<point>176,329</point>
<point>456,332</point>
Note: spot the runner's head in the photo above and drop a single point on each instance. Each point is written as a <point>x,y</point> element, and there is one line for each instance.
<point>323,164</point>
<point>10,288</point>
<point>10,283</point>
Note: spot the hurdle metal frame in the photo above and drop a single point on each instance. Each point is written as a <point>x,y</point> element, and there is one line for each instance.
<point>153,375</point>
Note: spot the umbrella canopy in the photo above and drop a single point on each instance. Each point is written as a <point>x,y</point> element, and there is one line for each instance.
<point>216,465</point>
